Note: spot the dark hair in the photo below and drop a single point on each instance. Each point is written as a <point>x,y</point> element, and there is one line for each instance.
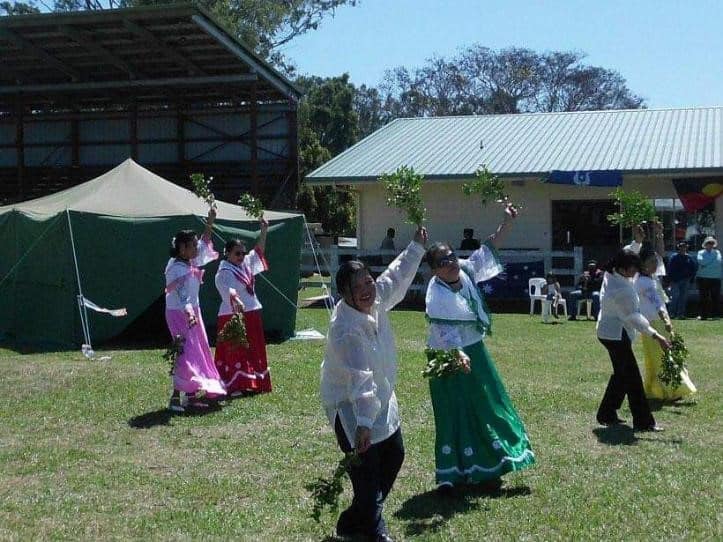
<point>346,273</point>
<point>645,254</point>
<point>391,232</point>
<point>182,237</point>
<point>550,276</point>
<point>232,244</point>
<point>622,260</point>
<point>431,255</point>
<point>468,232</point>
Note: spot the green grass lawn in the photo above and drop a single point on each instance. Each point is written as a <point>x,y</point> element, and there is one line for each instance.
<point>87,450</point>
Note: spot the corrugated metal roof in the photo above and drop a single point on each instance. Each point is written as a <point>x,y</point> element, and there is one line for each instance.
<point>642,140</point>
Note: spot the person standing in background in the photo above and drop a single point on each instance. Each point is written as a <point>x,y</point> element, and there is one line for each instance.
<point>681,271</point>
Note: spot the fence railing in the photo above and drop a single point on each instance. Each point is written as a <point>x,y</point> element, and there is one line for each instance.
<point>377,260</point>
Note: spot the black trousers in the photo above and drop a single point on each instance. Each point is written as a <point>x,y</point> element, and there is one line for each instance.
<point>709,292</point>
<point>625,380</point>
<point>372,480</point>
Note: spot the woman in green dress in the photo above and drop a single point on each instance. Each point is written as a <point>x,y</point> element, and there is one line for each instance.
<point>479,435</point>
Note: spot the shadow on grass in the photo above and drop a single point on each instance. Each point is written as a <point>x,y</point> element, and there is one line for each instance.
<point>615,435</point>
<point>164,416</point>
<point>428,512</point>
<point>623,435</point>
<point>657,405</point>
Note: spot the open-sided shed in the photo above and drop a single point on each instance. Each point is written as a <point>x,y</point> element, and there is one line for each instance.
<point>166,86</point>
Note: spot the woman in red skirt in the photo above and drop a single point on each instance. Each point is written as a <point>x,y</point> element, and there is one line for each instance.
<point>243,370</point>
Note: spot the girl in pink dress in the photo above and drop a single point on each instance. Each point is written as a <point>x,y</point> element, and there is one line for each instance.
<point>194,374</point>
<point>244,370</point>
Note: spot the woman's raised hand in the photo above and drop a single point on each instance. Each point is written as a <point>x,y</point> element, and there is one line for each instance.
<point>211,216</point>
<point>420,236</point>
<point>264,223</point>
<point>511,211</point>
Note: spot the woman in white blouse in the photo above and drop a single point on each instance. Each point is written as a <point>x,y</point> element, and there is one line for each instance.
<point>618,323</point>
<point>244,370</point>
<point>358,376</point>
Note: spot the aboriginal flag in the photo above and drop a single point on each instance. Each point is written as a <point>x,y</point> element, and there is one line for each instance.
<point>696,194</point>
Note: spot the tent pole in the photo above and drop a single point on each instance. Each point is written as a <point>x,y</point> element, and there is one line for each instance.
<point>81,308</point>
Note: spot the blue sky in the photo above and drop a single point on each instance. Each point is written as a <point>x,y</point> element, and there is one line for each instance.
<point>670,51</point>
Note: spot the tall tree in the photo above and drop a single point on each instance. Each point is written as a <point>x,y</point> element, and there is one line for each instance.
<point>327,126</point>
<point>18,8</point>
<point>480,80</point>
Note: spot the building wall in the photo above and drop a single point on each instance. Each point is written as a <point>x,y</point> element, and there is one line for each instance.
<point>449,211</point>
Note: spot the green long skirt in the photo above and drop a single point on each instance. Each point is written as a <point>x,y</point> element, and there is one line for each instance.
<point>479,435</point>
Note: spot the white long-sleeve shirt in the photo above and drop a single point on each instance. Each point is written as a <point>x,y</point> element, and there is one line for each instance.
<point>239,279</point>
<point>359,370</point>
<point>183,279</point>
<point>620,309</point>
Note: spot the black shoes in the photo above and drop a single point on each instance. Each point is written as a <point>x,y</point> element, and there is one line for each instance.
<point>655,428</point>
<point>610,421</point>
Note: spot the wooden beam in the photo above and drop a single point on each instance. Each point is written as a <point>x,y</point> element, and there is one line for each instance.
<point>157,43</point>
<point>137,83</point>
<point>88,42</point>
<point>40,53</point>
<point>253,132</point>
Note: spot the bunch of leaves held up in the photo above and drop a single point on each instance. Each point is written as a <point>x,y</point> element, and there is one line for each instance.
<point>673,362</point>
<point>251,205</point>
<point>633,209</point>
<point>234,331</point>
<point>202,188</point>
<point>173,352</point>
<point>442,363</point>
<point>489,187</point>
<point>404,191</point>
<point>325,491</point>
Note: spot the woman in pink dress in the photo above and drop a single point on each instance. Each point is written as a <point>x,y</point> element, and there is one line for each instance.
<point>244,370</point>
<point>195,377</point>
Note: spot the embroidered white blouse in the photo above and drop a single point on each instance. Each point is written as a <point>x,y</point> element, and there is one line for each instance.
<point>620,309</point>
<point>459,319</point>
<point>651,302</point>
<point>229,278</point>
<point>184,279</point>
<point>359,370</point>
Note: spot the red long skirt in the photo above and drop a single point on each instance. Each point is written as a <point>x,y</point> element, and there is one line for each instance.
<point>244,369</point>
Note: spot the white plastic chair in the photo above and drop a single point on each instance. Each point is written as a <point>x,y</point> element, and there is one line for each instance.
<point>588,302</point>
<point>535,290</point>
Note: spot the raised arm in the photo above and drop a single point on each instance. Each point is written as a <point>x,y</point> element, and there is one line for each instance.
<point>261,241</point>
<point>510,214</point>
<point>210,219</point>
<point>393,283</point>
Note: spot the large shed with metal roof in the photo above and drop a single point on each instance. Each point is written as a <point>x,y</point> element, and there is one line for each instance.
<point>646,149</point>
<point>167,86</point>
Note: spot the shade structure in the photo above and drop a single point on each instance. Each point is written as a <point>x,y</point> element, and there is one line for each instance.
<point>122,224</point>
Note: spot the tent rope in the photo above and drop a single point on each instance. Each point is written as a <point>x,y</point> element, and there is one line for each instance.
<point>328,302</point>
<point>81,305</point>
<point>30,249</point>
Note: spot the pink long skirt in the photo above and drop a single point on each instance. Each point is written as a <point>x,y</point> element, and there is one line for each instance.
<point>194,370</point>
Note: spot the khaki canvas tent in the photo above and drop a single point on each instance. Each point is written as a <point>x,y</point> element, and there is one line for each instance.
<point>108,240</point>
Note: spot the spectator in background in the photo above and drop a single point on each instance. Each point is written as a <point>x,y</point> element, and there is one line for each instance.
<point>710,269</point>
<point>388,241</point>
<point>681,271</point>
<point>468,241</point>
<point>587,287</point>
<point>388,244</point>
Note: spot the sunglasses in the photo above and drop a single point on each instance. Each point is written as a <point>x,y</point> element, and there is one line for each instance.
<point>449,259</point>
